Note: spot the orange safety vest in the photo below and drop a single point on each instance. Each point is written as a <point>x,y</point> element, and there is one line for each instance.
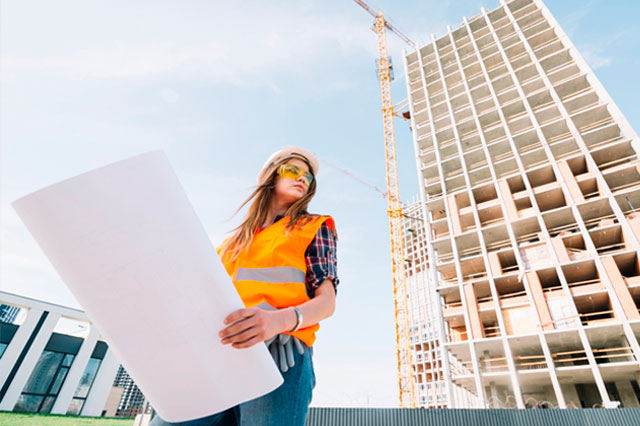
<point>273,268</point>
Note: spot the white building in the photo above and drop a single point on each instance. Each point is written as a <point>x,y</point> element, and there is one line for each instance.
<point>52,360</point>
<point>530,183</point>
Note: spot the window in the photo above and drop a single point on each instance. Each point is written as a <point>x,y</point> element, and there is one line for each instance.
<point>82,390</point>
<point>45,382</point>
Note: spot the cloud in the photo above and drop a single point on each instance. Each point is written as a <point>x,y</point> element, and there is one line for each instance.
<point>241,47</point>
<point>595,58</point>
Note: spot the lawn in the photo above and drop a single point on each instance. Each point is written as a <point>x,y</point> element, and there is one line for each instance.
<point>19,419</point>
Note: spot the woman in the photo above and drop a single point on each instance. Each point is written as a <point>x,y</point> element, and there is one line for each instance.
<point>282,262</point>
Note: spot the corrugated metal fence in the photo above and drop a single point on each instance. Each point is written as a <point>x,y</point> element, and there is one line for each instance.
<point>468,417</point>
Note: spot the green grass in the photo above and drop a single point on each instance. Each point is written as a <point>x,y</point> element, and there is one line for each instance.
<point>24,419</point>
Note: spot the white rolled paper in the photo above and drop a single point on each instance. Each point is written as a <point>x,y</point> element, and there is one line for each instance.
<point>128,244</point>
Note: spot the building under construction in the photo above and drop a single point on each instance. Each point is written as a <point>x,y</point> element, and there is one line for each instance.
<point>530,183</point>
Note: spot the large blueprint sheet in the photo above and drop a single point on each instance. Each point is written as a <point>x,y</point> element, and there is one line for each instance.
<point>128,244</point>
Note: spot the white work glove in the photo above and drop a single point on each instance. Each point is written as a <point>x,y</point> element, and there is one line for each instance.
<point>281,345</point>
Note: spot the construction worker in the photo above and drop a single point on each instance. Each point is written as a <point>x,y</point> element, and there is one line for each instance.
<point>283,264</point>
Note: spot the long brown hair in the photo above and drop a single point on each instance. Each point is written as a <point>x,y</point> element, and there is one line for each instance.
<point>259,211</point>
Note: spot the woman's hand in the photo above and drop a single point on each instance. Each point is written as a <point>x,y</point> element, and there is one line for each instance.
<point>254,325</point>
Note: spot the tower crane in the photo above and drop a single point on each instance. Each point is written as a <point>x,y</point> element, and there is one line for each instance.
<point>394,210</point>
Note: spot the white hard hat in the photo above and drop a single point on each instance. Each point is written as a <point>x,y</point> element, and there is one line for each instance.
<point>288,152</point>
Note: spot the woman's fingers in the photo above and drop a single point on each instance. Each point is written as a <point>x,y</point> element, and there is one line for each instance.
<point>248,326</point>
<point>242,337</point>
<point>247,343</point>
<point>237,327</point>
<point>239,314</point>
<point>240,320</point>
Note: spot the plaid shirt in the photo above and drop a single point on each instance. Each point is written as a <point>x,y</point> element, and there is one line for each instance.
<point>320,258</point>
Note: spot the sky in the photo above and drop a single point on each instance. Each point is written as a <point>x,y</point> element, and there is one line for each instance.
<point>219,86</point>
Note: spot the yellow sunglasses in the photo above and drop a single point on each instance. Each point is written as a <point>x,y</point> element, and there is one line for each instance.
<point>294,172</point>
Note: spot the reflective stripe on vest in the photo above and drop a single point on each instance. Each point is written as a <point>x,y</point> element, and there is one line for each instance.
<point>273,275</point>
<point>272,269</point>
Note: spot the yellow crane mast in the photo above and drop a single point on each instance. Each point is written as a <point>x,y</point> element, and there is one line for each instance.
<point>394,211</point>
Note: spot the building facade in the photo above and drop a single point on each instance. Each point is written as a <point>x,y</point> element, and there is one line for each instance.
<point>425,334</point>
<point>132,401</point>
<point>426,331</point>
<point>530,186</point>
<point>52,360</point>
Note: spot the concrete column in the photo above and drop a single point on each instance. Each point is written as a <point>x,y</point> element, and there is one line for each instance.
<point>626,240</point>
<point>540,301</point>
<point>18,342</point>
<point>507,197</point>
<point>634,224</point>
<point>560,249</point>
<point>620,288</point>
<point>454,215</point>
<point>75,373</point>
<point>101,386</point>
<point>472,311</point>
<point>627,395</point>
<point>494,264</point>
<point>29,362</point>
<point>569,179</point>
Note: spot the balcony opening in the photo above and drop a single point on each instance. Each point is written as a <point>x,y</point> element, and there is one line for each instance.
<point>527,231</point>
<point>489,321</point>
<point>578,165</point>
<point>611,346</point>
<point>590,188</point>
<point>609,239</point>
<point>629,267</point>
<point>439,229</point>
<point>509,287</point>
<point>443,250</point>
<point>583,277</point>
<point>575,248</point>
<point>473,269</point>
<point>491,214</point>
<point>567,349</point>
<point>460,359</point>
<point>602,136</point>
<point>484,194</point>
<point>437,209</point>
<point>491,357</point>
<point>625,178</point>
<point>496,238</point>
<point>552,199</point>
<point>524,207</point>
<point>468,245</point>
<point>549,279</point>
<point>560,222</point>
<point>597,213</point>
<point>516,185</point>
<point>527,353</point>
<point>447,275</point>
<point>503,263</point>
<point>614,155</point>
<point>456,329</point>
<point>594,309</point>
<point>541,177</point>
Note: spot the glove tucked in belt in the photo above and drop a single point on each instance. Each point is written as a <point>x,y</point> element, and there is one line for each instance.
<point>281,345</point>
<point>281,348</point>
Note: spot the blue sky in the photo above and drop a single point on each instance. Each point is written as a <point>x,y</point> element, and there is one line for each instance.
<point>221,85</point>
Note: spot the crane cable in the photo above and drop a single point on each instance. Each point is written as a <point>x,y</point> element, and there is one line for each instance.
<point>365,183</point>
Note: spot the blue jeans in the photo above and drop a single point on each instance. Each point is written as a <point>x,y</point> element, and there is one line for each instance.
<point>285,406</point>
